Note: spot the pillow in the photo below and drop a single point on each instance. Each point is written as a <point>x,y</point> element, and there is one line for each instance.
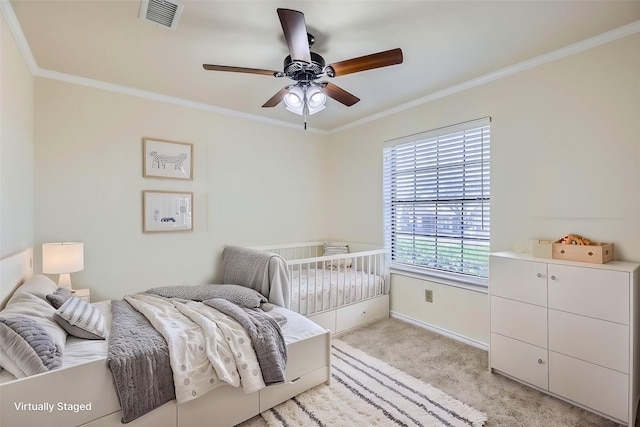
<point>15,356</point>
<point>58,298</point>
<point>38,285</point>
<point>332,248</point>
<point>237,294</point>
<point>81,319</point>
<point>26,347</point>
<point>241,295</point>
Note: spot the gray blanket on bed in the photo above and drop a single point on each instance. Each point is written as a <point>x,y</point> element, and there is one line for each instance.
<point>139,361</point>
<point>263,271</point>
<point>266,337</point>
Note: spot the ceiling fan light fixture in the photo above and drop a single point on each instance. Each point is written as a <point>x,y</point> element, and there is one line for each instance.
<point>315,99</point>
<point>294,100</point>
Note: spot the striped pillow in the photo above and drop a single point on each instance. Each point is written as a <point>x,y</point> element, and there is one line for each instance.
<point>81,319</point>
<point>332,248</point>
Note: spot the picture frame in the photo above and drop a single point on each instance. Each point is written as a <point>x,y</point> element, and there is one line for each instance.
<point>167,211</point>
<point>167,159</point>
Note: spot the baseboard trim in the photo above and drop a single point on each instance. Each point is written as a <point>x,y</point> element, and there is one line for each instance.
<point>438,330</point>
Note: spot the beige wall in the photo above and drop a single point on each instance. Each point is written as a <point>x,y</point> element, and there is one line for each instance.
<point>16,146</point>
<point>253,184</point>
<point>565,158</point>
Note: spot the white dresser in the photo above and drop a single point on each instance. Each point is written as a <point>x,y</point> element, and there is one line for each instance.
<point>569,329</point>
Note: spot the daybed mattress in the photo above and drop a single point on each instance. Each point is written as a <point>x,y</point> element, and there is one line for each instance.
<point>78,351</point>
<point>315,290</point>
<point>86,379</point>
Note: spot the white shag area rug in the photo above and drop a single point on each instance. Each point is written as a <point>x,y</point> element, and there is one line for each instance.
<point>366,391</point>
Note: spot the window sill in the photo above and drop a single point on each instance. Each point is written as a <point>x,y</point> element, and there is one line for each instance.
<point>447,279</point>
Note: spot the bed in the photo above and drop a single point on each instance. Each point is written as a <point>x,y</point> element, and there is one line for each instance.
<point>338,285</point>
<point>81,392</point>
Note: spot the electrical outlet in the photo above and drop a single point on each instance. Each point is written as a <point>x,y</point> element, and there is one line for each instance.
<point>428,295</point>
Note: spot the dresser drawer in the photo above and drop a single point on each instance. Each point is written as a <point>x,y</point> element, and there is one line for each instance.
<point>522,321</point>
<point>596,341</point>
<point>520,360</point>
<point>520,280</point>
<point>592,292</point>
<point>602,389</point>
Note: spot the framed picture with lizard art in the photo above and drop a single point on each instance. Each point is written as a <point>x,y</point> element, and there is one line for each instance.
<point>167,159</point>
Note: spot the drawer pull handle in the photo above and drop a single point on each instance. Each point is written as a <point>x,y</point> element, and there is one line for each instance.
<point>553,277</point>
<point>539,361</point>
<point>539,275</point>
<point>294,380</point>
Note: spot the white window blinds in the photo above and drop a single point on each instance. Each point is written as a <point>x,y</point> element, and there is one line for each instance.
<point>436,199</point>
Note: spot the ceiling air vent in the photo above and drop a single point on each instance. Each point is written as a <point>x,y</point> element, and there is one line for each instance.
<point>162,12</point>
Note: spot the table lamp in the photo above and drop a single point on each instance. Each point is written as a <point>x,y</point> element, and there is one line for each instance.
<point>63,258</point>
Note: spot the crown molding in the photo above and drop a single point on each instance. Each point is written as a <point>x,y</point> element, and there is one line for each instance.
<point>609,36</point>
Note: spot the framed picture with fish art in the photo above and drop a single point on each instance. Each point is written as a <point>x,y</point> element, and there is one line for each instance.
<point>167,159</point>
<point>167,211</point>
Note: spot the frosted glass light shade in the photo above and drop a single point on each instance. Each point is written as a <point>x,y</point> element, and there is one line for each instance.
<point>294,100</point>
<point>315,100</point>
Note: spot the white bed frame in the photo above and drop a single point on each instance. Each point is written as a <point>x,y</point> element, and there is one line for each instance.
<point>308,365</point>
<point>303,258</point>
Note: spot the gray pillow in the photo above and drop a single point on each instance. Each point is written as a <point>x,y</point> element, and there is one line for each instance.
<point>81,319</point>
<point>27,347</point>
<point>241,295</point>
<point>237,294</point>
<point>58,298</point>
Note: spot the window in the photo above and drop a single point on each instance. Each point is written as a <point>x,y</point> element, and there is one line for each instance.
<point>436,201</point>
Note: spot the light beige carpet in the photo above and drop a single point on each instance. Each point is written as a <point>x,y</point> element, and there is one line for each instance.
<point>462,372</point>
<point>366,391</point>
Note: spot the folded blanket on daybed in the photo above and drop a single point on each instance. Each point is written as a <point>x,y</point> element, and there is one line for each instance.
<point>207,348</point>
<point>266,337</point>
<point>138,357</point>
<point>263,271</point>
<point>204,346</point>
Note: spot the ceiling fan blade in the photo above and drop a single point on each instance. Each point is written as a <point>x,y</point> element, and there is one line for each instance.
<point>295,33</point>
<point>240,70</point>
<point>368,62</point>
<point>277,98</point>
<point>339,94</point>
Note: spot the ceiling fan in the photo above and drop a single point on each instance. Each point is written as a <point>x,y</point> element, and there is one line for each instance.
<point>308,96</point>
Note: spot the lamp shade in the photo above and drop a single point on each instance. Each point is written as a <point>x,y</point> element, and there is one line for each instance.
<point>294,100</point>
<point>315,99</point>
<point>61,258</point>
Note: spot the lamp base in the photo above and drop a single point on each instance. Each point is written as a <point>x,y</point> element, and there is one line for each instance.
<point>64,281</point>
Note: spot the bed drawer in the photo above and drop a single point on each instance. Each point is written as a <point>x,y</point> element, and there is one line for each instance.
<point>276,394</point>
<point>164,416</point>
<point>229,405</point>
<point>308,355</point>
<point>363,312</point>
<point>46,388</point>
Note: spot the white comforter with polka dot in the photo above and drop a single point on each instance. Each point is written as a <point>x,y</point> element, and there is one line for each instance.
<point>206,347</point>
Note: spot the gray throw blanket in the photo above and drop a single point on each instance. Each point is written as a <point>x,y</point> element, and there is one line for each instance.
<point>139,361</point>
<point>263,271</point>
<point>266,338</point>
